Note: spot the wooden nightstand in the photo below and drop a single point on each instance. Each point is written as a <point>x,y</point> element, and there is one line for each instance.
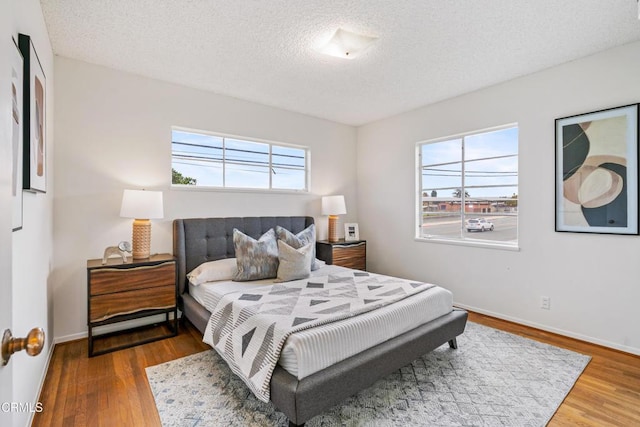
<point>352,254</point>
<point>120,291</point>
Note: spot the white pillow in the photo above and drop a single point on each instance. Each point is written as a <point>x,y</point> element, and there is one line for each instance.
<point>213,271</point>
<point>296,241</point>
<point>294,263</point>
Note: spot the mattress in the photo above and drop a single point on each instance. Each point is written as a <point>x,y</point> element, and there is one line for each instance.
<point>309,351</point>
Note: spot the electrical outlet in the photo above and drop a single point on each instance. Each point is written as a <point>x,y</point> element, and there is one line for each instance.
<point>545,303</point>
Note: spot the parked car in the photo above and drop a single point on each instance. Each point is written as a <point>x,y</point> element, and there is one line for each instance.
<point>479,224</point>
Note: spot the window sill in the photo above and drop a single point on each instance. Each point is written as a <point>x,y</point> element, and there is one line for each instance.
<point>180,187</point>
<point>472,243</point>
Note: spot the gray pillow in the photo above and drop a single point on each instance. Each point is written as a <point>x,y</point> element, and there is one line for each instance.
<point>303,238</point>
<point>256,259</point>
<point>294,263</point>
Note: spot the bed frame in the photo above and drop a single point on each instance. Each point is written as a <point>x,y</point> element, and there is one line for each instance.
<point>199,240</point>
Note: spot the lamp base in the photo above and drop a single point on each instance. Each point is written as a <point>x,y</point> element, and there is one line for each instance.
<point>141,239</point>
<point>333,228</point>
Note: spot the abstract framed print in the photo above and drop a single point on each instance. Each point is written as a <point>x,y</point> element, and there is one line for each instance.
<point>34,130</point>
<point>597,172</point>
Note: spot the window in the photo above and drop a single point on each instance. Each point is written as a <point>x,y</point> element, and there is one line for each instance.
<point>468,187</point>
<point>209,160</point>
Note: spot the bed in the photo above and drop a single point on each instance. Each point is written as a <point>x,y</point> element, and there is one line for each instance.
<point>200,240</point>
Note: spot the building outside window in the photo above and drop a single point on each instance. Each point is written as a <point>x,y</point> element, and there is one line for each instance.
<point>468,187</point>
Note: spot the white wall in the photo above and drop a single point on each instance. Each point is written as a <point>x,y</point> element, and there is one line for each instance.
<point>29,265</point>
<point>114,132</point>
<point>593,280</point>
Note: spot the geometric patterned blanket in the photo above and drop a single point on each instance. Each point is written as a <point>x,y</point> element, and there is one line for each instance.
<point>250,327</point>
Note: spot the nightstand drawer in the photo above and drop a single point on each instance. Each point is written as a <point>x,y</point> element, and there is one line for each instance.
<point>351,256</point>
<point>109,305</point>
<point>110,280</point>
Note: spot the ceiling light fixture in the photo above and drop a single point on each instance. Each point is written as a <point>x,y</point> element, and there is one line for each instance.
<point>345,44</point>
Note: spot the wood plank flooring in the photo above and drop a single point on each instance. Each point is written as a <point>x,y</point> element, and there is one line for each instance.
<point>112,389</point>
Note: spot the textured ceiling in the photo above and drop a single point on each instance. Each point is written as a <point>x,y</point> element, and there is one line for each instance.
<point>263,50</point>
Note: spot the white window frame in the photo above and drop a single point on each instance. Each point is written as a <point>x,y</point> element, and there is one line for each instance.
<point>224,187</point>
<point>462,241</point>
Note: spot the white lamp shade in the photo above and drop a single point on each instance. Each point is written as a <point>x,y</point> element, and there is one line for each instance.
<point>142,204</point>
<point>333,205</point>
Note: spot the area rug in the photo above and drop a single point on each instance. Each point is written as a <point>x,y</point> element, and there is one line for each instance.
<point>493,378</point>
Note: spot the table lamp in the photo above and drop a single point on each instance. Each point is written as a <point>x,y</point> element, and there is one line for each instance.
<point>142,206</point>
<point>333,206</point>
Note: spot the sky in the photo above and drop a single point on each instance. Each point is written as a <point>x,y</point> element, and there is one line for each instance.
<point>491,164</point>
<point>199,156</point>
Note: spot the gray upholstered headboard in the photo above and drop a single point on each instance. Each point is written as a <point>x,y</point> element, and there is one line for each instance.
<point>198,240</point>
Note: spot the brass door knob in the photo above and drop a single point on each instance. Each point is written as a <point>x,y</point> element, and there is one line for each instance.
<point>33,343</point>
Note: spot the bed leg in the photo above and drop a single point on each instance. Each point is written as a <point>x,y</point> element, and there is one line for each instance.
<point>291,424</point>
<point>453,343</point>
<point>182,320</point>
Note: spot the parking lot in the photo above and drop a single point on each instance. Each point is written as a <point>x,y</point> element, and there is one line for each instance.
<point>505,228</point>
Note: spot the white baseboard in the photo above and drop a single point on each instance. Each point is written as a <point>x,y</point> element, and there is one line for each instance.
<point>72,337</point>
<point>43,377</point>
<point>592,340</point>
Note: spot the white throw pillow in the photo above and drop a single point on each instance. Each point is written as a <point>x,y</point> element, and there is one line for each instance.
<point>213,271</point>
<point>296,241</point>
<point>294,263</point>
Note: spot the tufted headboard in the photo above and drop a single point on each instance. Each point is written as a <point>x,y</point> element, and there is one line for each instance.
<point>198,240</point>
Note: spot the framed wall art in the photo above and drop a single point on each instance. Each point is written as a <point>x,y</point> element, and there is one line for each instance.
<point>16,137</point>
<point>34,131</point>
<point>351,232</point>
<point>597,172</point>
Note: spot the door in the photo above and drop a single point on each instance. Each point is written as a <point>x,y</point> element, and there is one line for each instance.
<point>6,378</point>
<point>6,43</point>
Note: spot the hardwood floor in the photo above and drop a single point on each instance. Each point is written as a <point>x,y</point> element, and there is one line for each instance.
<point>112,389</point>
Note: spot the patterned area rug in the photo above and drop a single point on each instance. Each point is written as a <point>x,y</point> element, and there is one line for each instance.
<point>493,378</point>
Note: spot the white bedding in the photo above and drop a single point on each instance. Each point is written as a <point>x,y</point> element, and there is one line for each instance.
<point>312,350</point>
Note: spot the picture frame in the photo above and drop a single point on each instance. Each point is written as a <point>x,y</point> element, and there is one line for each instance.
<point>351,232</point>
<point>596,184</point>
<point>16,136</point>
<point>34,165</point>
